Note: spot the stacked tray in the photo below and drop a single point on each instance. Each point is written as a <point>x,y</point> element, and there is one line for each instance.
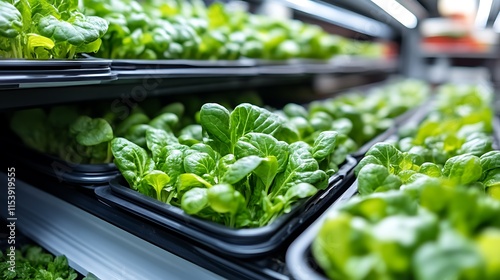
<point>19,73</point>
<point>239,243</point>
<point>131,69</point>
<point>87,176</point>
<point>175,68</point>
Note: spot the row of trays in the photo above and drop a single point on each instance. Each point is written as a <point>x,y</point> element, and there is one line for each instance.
<point>44,73</point>
<point>105,182</point>
<point>292,233</point>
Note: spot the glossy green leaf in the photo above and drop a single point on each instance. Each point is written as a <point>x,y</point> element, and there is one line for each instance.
<point>247,118</point>
<point>241,169</point>
<point>301,168</point>
<point>388,155</point>
<point>430,169</point>
<point>191,134</point>
<point>324,145</point>
<point>188,181</point>
<point>215,120</point>
<point>375,178</point>
<point>132,160</point>
<point>194,200</point>
<point>477,146</point>
<point>368,159</point>
<point>199,163</point>
<point>378,206</point>
<point>156,139</point>
<point>90,132</point>
<point>262,145</point>
<point>489,161</point>
<point>11,21</point>
<point>299,191</point>
<point>158,180</point>
<point>176,108</point>
<point>267,170</point>
<point>223,199</point>
<point>137,134</point>
<point>463,169</point>
<point>81,30</point>
<point>37,41</point>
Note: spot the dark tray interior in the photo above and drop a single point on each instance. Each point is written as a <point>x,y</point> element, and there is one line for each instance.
<point>85,175</point>
<point>242,243</point>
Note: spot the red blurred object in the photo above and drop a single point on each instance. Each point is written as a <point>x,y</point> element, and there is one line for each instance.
<point>391,50</point>
<point>453,44</point>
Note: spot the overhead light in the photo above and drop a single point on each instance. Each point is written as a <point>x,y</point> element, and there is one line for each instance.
<point>341,17</point>
<point>496,24</point>
<point>398,12</point>
<point>483,13</point>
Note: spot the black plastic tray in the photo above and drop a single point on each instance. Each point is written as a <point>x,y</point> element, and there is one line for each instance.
<point>87,176</point>
<point>135,68</point>
<point>134,64</point>
<point>240,243</point>
<point>53,64</point>
<point>188,72</point>
<point>53,73</point>
<point>299,260</point>
<point>180,68</point>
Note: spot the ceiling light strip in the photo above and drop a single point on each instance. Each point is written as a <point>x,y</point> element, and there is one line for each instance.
<point>341,17</point>
<point>398,12</point>
<point>483,13</point>
<point>496,24</point>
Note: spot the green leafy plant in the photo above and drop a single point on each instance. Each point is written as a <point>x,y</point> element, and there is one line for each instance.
<point>32,262</point>
<point>190,30</point>
<point>422,220</point>
<point>80,134</point>
<point>61,132</point>
<point>360,116</point>
<point>447,231</point>
<point>245,169</point>
<point>46,29</point>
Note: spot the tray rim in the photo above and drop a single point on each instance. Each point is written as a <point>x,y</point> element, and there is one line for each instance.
<point>271,236</point>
